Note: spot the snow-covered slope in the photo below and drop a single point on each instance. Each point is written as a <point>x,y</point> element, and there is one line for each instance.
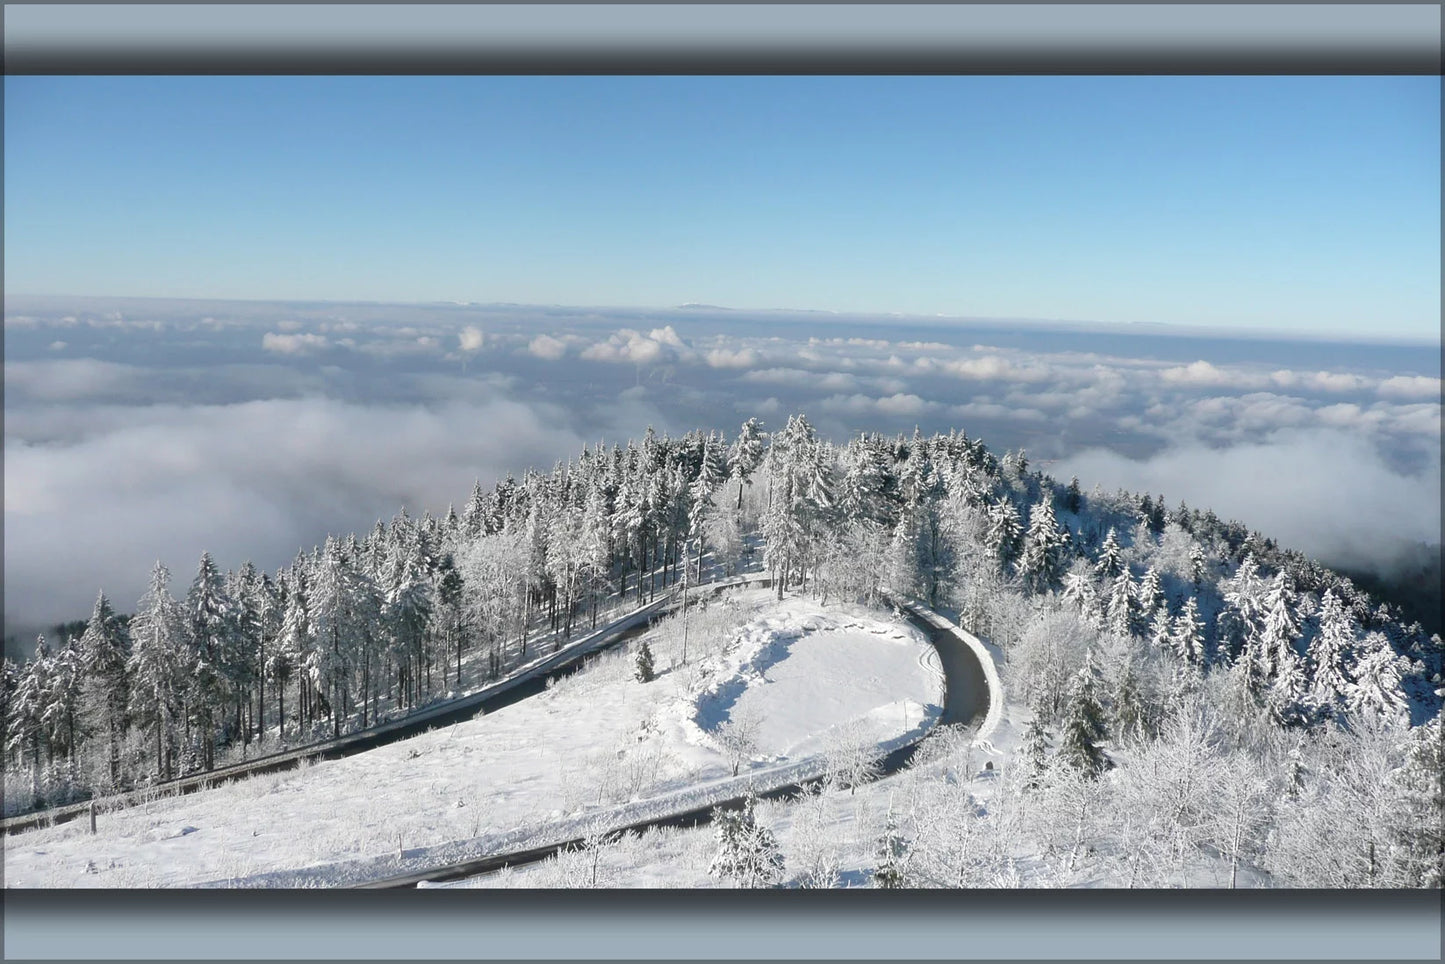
<point>596,742</point>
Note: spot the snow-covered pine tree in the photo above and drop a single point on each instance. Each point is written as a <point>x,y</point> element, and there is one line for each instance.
<point>404,607</point>
<point>62,715</point>
<point>745,455</point>
<point>24,729</point>
<point>1073,498</point>
<point>104,650</point>
<point>892,855</point>
<point>1151,596</point>
<point>1241,622</point>
<point>1005,533</point>
<point>868,486</point>
<point>1377,672</point>
<point>747,853</point>
<point>1288,692</point>
<point>593,546</point>
<point>1281,627</point>
<point>1129,713</point>
<point>1041,564</point>
<point>1122,613</point>
<point>1198,569</point>
<point>1079,590</point>
<point>1331,650</point>
<point>1187,636</point>
<point>211,637</point>
<point>1161,630</point>
<point>1035,751</point>
<point>1083,725</point>
<point>644,671</point>
<point>158,682</point>
<point>293,645</point>
<point>1111,558</point>
<point>701,508</point>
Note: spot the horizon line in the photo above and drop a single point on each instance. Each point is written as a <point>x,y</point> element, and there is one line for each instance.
<point>1160,328</point>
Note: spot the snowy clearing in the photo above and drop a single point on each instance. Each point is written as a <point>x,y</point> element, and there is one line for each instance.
<point>595,743</point>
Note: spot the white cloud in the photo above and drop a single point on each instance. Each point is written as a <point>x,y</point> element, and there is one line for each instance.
<point>992,410</point>
<point>666,336</point>
<point>292,344</point>
<point>1410,386</point>
<point>252,480</point>
<point>545,346</point>
<point>1324,491</point>
<point>70,379</point>
<point>58,346</point>
<point>1321,381</point>
<point>724,358</point>
<point>471,338</point>
<point>994,367</point>
<point>628,345</point>
<point>893,405</point>
<point>1203,374</point>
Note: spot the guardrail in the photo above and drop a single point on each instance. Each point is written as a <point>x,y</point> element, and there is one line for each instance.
<point>386,732</point>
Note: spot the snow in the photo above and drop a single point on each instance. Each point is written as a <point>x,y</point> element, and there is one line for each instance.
<point>595,748</point>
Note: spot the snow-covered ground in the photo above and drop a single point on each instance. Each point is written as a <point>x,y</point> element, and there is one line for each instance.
<point>597,743</point>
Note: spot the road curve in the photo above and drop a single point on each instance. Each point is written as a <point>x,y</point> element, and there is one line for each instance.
<point>972,698</point>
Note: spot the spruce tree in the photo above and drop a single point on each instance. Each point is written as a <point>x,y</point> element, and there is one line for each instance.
<point>24,729</point>
<point>1151,596</point>
<point>1128,705</point>
<point>1331,650</point>
<point>104,650</point>
<point>1079,590</point>
<point>747,852</point>
<point>1083,726</point>
<point>63,711</point>
<point>1376,690</point>
<point>1122,613</point>
<point>644,671</point>
<point>158,682</point>
<point>1042,561</point>
<point>1280,631</point>
<point>212,617</point>
<point>1073,498</point>
<point>1187,636</point>
<point>892,855</point>
<point>1111,559</point>
<point>1004,533</point>
<point>1035,751</point>
<point>745,455</point>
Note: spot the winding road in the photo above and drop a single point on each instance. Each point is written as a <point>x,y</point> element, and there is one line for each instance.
<point>972,698</point>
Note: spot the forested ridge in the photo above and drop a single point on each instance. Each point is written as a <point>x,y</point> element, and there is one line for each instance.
<point>1131,628</point>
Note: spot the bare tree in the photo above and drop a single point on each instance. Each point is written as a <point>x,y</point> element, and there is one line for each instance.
<point>737,736</point>
<point>851,756</point>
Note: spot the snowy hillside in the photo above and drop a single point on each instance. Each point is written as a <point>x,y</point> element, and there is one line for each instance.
<point>1186,702</point>
<point>803,676</point>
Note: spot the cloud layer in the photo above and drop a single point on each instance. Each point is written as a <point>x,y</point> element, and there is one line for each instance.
<point>144,430</point>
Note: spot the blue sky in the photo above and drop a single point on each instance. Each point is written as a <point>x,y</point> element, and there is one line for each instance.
<point>1297,203</point>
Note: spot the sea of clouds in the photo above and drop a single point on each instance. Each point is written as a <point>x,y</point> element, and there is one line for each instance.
<point>144,430</point>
